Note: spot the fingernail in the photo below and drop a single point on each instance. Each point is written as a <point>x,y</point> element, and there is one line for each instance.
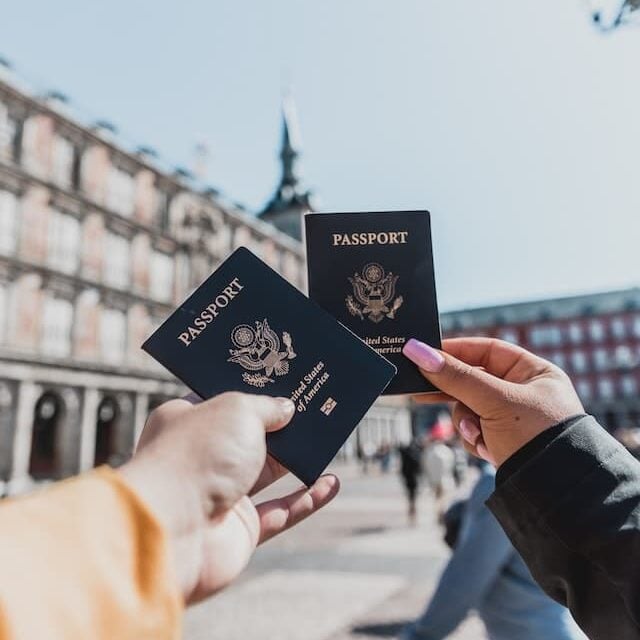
<point>287,406</point>
<point>423,355</point>
<point>469,429</point>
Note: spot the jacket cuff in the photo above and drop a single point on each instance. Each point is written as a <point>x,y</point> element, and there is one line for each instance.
<point>552,474</point>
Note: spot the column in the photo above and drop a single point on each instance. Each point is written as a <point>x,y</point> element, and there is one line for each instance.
<point>88,422</point>
<point>140,412</point>
<point>8,398</point>
<point>28,394</point>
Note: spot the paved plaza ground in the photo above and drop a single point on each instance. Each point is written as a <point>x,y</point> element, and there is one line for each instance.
<point>355,571</point>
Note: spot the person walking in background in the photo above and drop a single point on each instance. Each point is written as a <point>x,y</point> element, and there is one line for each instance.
<point>485,573</point>
<point>411,470</point>
<point>440,462</point>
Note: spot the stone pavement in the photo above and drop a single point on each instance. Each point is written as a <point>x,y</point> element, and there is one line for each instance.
<point>355,571</point>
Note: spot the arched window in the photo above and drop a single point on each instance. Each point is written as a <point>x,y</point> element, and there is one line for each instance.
<point>47,419</point>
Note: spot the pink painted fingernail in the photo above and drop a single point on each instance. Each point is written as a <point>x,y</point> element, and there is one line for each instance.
<point>423,355</point>
<point>469,429</point>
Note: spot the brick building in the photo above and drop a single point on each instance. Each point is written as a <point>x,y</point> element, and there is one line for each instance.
<point>594,338</point>
<point>97,245</point>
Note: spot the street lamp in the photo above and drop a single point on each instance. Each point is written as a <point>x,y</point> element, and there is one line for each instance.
<point>609,15</point>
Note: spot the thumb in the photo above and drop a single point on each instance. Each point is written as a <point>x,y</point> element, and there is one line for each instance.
<point>473,386</point>
<point>274,413</point>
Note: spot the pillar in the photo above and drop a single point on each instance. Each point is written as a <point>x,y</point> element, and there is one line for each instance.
<point>88,422</point>
<point>141,410</point>
<point>28,394</point>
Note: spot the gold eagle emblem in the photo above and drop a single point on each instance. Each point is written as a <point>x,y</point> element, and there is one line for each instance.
<point>373,294</point>
<point>258,350</point>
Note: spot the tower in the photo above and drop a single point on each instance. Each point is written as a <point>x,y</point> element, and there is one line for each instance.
<point>291,200</point>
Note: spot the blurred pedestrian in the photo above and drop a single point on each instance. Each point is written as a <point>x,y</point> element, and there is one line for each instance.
<point>439,462</point>
<point>411,470</point>
<point>486,574</point>
<point>384,456</point>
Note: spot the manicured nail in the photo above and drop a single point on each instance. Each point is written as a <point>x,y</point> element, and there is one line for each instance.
<point>287,406</point>
<point>423,355</point>
<point>470,430</point>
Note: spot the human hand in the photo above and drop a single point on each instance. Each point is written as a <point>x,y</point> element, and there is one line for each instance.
<point>197,465</point>
<point>504,395</point>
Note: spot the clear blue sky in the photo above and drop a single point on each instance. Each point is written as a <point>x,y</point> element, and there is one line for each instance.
<point>515,123</point>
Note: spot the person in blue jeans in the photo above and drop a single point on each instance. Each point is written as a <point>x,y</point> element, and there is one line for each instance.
<point>485,573</point>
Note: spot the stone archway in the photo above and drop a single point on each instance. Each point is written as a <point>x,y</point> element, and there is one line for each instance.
<point>107,419</point>
<point>48,417</point>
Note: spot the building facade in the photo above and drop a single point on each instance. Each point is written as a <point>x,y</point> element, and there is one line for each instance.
<point>97,246</point>
<point>594,338</point>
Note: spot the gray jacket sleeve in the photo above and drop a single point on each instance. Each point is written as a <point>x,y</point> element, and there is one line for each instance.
<point>572,510</point>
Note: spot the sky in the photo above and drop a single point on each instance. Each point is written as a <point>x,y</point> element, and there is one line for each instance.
<point>515,123</point>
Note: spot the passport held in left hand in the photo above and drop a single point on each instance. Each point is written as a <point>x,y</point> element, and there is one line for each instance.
<point>247,329</point>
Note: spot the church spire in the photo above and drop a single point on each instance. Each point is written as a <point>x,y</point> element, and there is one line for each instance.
<point>290,149</point>
<point>290,200</point>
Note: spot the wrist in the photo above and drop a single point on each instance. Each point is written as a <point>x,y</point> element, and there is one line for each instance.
<point>175,506</point>
<point>171,498</point>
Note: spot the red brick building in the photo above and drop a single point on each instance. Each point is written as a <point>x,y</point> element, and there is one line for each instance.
<point>595,338</point>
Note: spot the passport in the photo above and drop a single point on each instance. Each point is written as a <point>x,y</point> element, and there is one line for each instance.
<point>247,329</point>
<point>374,273</point>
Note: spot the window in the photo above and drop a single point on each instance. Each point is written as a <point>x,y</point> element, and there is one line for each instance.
<point>629,386</point>
<point>163,200</point>
<point>575,333</point>
<point>10,135</point>
<point>583,387</point>
<point>509,335</point>
<point>559,359</point>
<point>601,359</point>
<point>8,222</point>
<point>579,361</point>
<point>64,242</point>
<point>116,272</point>
<point>161,276</point>
<point>596,331</point>
<point>605,388</point>
<point>619,328</point>
<point>63,161</point>
<point>57,319</point>
<point>550,334</point>
<point>120,191</point>
<point>113,335</point>
<point>624,357</point>
<point>554,335</point>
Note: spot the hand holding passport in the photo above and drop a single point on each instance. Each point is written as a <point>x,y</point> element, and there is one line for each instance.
<point>247,329</point>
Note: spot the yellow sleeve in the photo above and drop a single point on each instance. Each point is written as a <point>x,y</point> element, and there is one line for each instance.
<point>85,559</point>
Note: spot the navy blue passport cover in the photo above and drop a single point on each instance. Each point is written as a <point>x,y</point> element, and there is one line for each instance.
<point>374,273</point>
<point>247,329</point>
